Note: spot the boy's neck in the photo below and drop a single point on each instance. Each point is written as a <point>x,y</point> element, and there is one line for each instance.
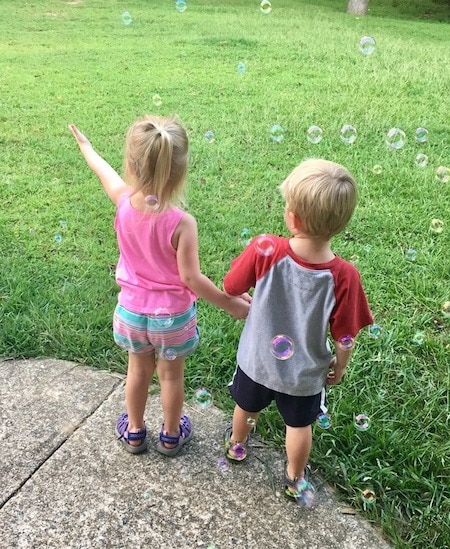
<point>311,249</point>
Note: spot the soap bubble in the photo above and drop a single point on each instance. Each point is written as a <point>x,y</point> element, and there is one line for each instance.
<point>203,398</point>
<point>170,354</point>
<point>265,6</point>
<point>314,134</point>
<point>436,226</point>
<point>241,68</point>
<point>346,342</point>
<point>222,464</point>
<point>58,238</point>
<point>419,338</point>
<point>157,101</point>
<point>306,494</point>
<point>367,45</point>
<point>354,259</point>
<point>277,133</point>
<point>348,134</point>
<point>63,224</point>
<point>368,495</point>
<point>126,18</point>
<point>181,5</point>
<point>162,318</point>
<point>377,169</point>
<point>446,309</point>
<point>210,137</point>
<point>324,421</point>
<point>421,135</point>
<point>246,236</point>
<point>151,201</point>
<point>251,421</point>
<point>443,174</point>
<point>265,244</point>
<point>362,422</point>
<point>375,331</point>
<point>147,494</point>
<point>411,254</point>
<point>395,138</point>
<point>282,347</point>
<point>421,160</point>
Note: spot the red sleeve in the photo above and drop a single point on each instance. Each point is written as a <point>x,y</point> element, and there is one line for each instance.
<point>351,312</point>
<point>253,263</point>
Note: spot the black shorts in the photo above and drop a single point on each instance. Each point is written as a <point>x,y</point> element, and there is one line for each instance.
<point>296,411</point>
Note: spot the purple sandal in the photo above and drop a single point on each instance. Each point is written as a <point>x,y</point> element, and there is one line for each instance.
<point>125,436</point>
<point>184,436</point>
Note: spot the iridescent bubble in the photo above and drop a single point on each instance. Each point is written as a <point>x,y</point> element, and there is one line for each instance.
<point>151,202</point>
<point>32,231</point>
<point>377,169</point>
<point>348,134</point>
<point>395,138</point>
<point>63,224</point>
<point>265,6</point>
<point>421,160</point>
<point>375,331</point>
<point>362,422</point>
<point>436,226</point>
<point>354,258</point>
<point>170,354</point>
<point>241,68</point>
<point>282,347</point>
<point>411,254</point>
<point>265,244</point>
<point>126,18</point>
<point>446,309</point>
<point>368,495</point>
<point>58,238</point>
<point>222,464</point>
<point>277,133</point>
<point>157,101</point>
<point>251,421</point>
<point>246,236</point>
<point>324,421</point>
<point>210,137</point>
<point>421,135</point>
<point>346,342</point>
<point>367,45</point>
<point>181,5</point>
<point>314,134</point>
<point>306,495</point>
<point>147,494</point>
<point>443,174</point>
<point>419,338</point>
<point>203,398</point>
<point>163,318</point>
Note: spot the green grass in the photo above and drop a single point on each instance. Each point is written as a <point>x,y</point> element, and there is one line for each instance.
<point>67,62</point>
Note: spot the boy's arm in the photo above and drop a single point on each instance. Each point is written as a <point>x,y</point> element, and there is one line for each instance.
<point>113,184</point>
<point>191,275</point>
<point>338,365</point>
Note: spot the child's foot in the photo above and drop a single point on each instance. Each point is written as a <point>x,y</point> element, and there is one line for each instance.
<point>170,446</point>
<point>235,451</point>
<point>134,442</point>
<point>299,490</point>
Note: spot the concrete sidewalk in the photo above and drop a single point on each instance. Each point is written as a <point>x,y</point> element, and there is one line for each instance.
<point>66,482</point>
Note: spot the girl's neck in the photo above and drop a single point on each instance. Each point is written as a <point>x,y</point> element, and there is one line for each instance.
<point>311,249</point>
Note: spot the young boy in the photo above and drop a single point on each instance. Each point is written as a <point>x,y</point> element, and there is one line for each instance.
<point>302,291</point>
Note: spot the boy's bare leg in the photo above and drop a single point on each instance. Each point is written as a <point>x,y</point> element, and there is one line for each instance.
<point>171,379</point>
<point>241,427</point>
<point>298,448</point>
<point>139,375</point>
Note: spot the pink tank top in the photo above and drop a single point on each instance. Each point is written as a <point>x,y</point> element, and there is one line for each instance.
<point>147,270</point>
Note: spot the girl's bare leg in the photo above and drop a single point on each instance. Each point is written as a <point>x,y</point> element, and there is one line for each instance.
<point>171,378</point>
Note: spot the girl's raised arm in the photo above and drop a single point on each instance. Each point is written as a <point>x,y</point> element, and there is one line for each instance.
<point>113,184</point>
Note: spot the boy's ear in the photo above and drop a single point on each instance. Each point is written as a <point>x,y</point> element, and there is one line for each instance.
<point>295,224</point>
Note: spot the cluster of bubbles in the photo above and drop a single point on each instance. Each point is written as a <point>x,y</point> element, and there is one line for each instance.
<point>361,422</point>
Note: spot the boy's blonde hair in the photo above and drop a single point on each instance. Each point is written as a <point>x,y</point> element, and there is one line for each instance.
<point>156,159</point>
<point>322,195</point>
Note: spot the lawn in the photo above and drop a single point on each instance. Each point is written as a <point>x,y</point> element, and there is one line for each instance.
<point>226,68</point>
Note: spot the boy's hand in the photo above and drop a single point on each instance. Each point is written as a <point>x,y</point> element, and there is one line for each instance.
<point>335,373</point>
<point>80,137</point>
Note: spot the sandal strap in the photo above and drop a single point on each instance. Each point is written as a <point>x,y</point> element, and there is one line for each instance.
<point>136,435</point>
<point>168,439</point>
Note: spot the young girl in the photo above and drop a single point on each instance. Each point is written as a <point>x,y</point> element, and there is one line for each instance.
<point>158,273</point>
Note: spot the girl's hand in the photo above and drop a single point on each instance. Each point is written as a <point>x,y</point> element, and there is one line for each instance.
<point>80,137</point>
<point>238,307</point>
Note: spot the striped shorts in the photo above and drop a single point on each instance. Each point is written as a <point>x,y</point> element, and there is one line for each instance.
<point>167,336</point>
